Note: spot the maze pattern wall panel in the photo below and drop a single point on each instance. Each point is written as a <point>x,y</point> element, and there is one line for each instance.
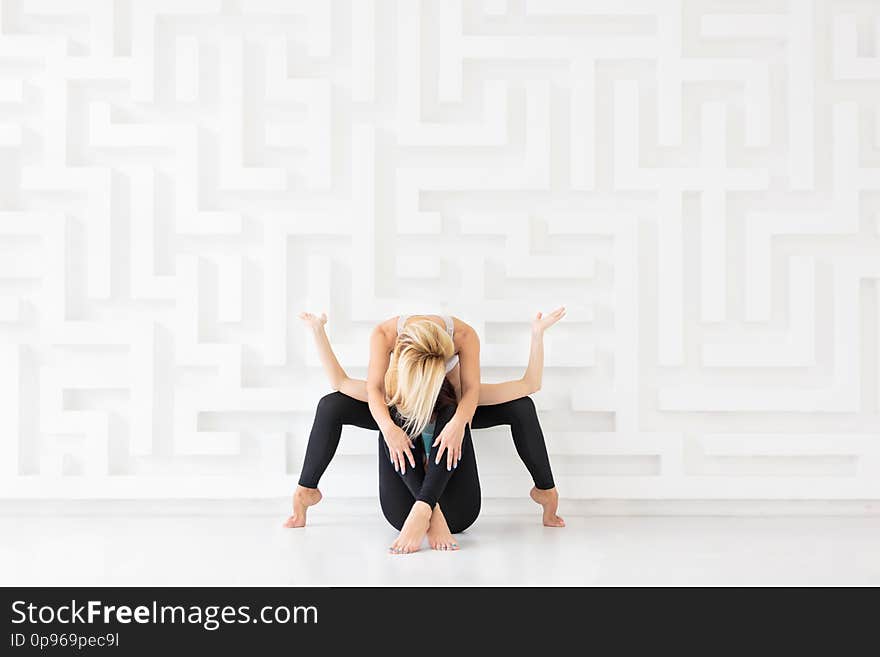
<point>698,181</point>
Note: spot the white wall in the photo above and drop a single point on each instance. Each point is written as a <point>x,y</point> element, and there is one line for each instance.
<point>699,182</point>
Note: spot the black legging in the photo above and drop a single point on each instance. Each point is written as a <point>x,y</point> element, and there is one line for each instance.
<point>458,491</point>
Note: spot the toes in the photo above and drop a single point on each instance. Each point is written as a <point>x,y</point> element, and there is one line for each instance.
<point>554,521</point>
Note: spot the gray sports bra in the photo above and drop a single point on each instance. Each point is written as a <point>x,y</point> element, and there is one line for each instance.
<point>450,328</point>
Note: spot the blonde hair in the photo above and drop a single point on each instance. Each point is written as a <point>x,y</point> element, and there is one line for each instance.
<point>416,372</point>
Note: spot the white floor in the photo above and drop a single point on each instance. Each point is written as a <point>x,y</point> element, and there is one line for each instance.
<point>338,549</point>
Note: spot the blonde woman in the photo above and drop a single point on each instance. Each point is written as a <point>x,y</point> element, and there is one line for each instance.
<point>423,381</point>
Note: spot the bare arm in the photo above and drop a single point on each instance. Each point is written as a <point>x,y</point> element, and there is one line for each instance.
<point>398,442</point>
<point>380,352</point>
<point>339,380</point>
<point>469,362</point>
<point>499,393</point>
<point>450,438</point>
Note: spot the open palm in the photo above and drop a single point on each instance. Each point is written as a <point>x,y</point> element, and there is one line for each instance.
<point>542,322</point>
<point>312,320</point>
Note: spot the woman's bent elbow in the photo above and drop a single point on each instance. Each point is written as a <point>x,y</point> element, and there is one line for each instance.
<point>531,386</point>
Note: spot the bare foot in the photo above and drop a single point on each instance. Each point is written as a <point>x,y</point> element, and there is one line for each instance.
<point>549,499</point>
<point>413,530</point>
<point>439,536</point>
<point>303,498</point>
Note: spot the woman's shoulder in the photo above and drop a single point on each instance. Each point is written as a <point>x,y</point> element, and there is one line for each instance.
<point>463,330</point>
<point>387,328</point>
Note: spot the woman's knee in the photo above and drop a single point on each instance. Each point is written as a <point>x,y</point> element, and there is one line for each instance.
<point>331,403</point>
<point>523,407</point>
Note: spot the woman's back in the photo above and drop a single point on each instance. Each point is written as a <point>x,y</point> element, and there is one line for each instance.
<point>450,328</point>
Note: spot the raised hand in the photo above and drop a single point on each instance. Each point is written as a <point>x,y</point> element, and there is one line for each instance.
<point>313,321</point>
<point>542,322</point>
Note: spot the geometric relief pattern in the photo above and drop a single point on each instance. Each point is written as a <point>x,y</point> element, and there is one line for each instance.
<point>697,181</point>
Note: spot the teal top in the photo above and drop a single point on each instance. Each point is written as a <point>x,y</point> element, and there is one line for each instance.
<point>428,437</point>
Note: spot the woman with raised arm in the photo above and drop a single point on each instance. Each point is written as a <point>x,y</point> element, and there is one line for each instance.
<point>424,381</point>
